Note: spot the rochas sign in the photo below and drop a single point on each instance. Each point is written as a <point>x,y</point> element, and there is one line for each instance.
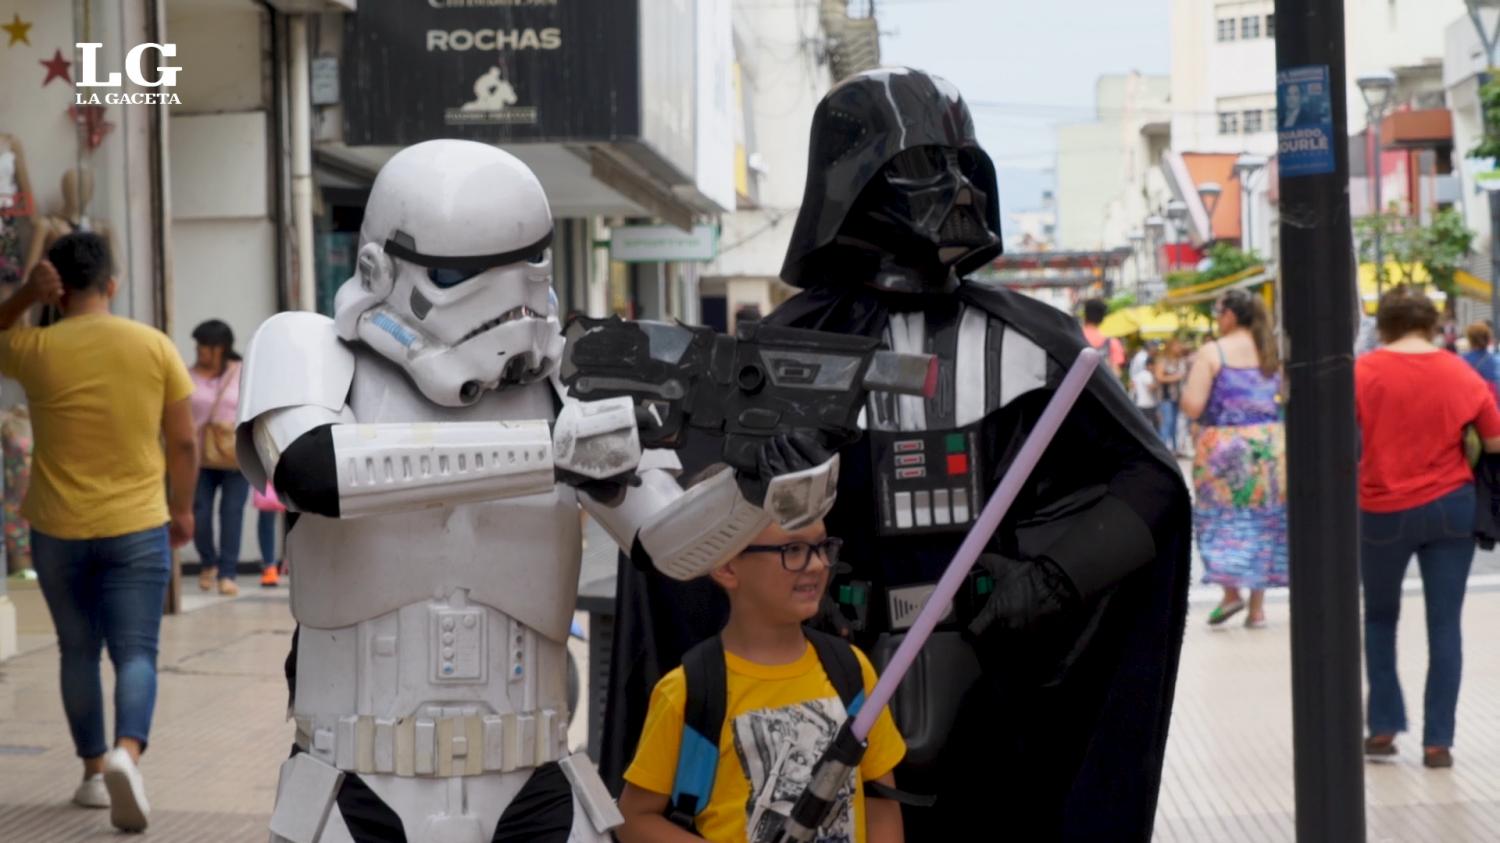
<point>166,77</point>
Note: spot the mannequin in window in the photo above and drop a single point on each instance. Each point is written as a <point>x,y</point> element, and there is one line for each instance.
<point>77,193</point>
<point>17,212</point>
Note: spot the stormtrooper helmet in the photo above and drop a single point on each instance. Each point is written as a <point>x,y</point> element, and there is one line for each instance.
<point>454,278</point>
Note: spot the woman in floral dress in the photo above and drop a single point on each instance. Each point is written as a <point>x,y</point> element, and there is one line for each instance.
<point>1239,467</point>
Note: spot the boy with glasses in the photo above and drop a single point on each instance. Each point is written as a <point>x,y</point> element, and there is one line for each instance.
<point>781,708</point>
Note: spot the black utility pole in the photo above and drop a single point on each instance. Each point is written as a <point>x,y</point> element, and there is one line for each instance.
<point>1319,307</point>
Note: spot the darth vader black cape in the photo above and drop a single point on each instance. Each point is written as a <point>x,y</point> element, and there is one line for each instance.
<point>1085,761</point>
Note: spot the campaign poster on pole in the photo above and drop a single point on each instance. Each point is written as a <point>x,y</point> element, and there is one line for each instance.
<point>1304,122</point>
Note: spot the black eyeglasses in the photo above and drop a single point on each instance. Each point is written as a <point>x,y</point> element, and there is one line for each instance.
<point>796,556</point>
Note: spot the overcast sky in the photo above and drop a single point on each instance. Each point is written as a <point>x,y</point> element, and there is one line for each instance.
<point>1024,66</point>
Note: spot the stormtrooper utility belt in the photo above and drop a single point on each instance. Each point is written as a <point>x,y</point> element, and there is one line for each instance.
<point>450,744</point>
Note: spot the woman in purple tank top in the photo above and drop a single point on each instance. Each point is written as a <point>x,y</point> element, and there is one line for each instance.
<point>1239,467</point>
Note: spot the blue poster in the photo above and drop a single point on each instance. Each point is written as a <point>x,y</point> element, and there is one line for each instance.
<point>1304,122</point>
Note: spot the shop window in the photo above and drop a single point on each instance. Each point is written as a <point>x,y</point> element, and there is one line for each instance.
<point>1226,29</point>
<point>1229,123</point>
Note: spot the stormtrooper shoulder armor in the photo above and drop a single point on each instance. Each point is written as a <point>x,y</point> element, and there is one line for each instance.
<point>297,368</point>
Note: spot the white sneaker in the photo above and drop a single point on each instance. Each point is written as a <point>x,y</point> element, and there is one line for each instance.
<point>91,792</point>
<point>128,808</point>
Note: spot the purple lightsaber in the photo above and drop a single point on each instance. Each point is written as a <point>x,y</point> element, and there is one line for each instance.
<point>843,755</point>
<point>994,512</point>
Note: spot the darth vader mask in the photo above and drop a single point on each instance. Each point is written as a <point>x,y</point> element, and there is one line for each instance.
<point>920,218</point>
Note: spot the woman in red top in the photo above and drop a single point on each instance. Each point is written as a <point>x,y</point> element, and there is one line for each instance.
<point>1416,496</point>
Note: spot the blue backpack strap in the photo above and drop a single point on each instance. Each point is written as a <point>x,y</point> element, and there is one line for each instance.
<point>842,668</point>
<point>702,723</point>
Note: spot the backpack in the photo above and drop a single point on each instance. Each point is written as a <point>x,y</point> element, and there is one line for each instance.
<point>703,715</point>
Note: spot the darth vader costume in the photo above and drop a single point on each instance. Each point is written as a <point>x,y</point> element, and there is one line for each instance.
<point>1039,710</point>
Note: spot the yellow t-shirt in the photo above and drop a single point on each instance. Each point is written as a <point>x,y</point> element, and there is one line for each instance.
<point>96,387</point>
<point>778,720</point>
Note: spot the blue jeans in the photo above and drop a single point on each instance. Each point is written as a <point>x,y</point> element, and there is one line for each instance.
<point>1170,411</point>
<point>106,591</point>
<point>265,532</point>
<point>234,491</point>
<point>1441,535</point>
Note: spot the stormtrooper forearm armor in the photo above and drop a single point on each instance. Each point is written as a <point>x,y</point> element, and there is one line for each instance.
<point>393,467</point>
<point>385,468</point>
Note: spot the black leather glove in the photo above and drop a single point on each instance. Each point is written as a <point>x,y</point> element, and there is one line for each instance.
<point>784,453</point>
<point>1026,594</point>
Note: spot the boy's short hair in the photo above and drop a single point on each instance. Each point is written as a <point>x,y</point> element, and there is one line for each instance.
<point>83,261</point>
<point>1094,311</point>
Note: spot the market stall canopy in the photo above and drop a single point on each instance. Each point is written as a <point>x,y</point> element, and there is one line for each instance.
<point>1413,274</point>
<point>1210,290</point>
<point>1153,322</point>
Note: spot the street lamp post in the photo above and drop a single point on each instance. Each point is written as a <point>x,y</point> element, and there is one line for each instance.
<point>1137,237</point>
<point>1210,192</point>
<point>1376,88</point>
<point>1156,231</point>
<point>1177,212</point>
<point>1245,168</point>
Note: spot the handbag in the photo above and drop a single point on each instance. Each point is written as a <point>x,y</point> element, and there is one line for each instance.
<point>267,501</point>
<point>216,439</point>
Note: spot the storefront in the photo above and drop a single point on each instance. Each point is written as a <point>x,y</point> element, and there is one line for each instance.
<point>71,163</point>
<point>589,94</point>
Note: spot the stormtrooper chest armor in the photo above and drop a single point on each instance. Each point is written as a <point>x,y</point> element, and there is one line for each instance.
<point>448,618</point>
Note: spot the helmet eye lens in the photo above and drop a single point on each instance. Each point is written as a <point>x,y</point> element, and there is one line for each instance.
<point>921,165</point>
<point>445,278</point>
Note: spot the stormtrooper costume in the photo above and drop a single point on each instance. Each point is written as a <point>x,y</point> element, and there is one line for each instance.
<point>436,470</point>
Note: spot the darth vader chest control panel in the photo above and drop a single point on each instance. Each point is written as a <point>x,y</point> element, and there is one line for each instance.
<point>927,481</point>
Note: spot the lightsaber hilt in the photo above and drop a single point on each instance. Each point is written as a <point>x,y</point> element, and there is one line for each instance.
<point>994,512</point>
<point>833,770</point>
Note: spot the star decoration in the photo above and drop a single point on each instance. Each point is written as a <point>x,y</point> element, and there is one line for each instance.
<point>57,68</point>
<point>19,30</point>
<point>91,119</point>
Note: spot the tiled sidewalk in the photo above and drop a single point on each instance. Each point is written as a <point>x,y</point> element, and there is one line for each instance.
<point>217,740</point>
<point>1228,777</point>
<point>220,736</point>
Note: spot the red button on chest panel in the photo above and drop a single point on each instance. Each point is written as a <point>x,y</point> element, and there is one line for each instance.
<point>958,464</point>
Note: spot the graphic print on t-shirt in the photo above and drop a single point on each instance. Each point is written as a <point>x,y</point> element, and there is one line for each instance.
<point>778,748</point>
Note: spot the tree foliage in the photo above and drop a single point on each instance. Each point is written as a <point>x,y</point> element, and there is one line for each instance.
<point>1440,247</point>
<point>1489,105</point>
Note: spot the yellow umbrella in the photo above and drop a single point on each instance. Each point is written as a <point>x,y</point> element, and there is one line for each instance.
<point>1121,323</point>
<point>1152,322</point>
<point>1164,323</point>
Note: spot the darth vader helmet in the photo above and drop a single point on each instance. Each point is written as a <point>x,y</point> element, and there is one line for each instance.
<point>899,195</point>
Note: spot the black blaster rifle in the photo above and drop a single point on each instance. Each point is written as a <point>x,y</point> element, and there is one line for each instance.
<point>765,380</point>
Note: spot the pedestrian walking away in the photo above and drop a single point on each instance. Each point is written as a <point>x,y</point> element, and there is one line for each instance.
<point>1481,359</point>
<point>1170,371</point>
<point>1239,465</point>
<point>1094,311</point>
<point>216,398</point>
<point>104,392</point>
<point>1147,395</point>
<point>1416,495</point>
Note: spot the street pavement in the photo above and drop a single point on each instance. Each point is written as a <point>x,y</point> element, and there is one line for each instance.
<point>220,731</point>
